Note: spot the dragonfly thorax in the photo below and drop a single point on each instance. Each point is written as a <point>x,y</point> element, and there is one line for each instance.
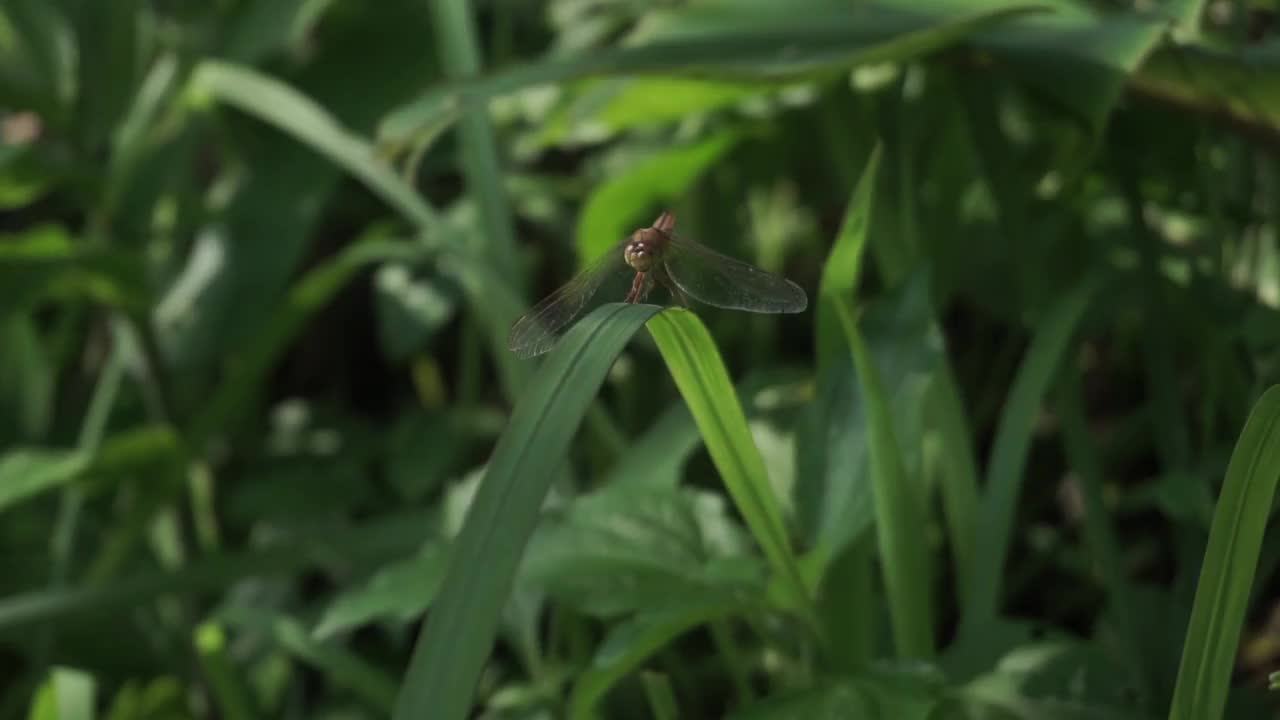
<point>641,251</point>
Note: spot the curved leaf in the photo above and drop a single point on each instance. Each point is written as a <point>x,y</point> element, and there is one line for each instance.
<point>1230,561</point>
<point>699,373</point>
<point>1009,453</point>
<point>756,40</point>
<point>451,651</point>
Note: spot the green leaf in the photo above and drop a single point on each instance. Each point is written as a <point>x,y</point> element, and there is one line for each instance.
<point>109,65</point>
<point>662,697</point>
<point>66,695</point>
<point>27,378</point>
<point>256,28</point>
<point>630,643</point>
<point>657,456</point>
<point>39,70</point>
<point>844,263</point>
<point>899,516</point>
<point>451,651</point>
<point>456,42</point>
<point>700,375</point>
<point>1010,449</point>
<point>27,472</point>
<point>341,667</point>
<point>1230,562</point>
<point>1242,84</point>
<point>159,699</point>
<point>600,108</point>
<point>399,591</point>
<point>1103,545</point>
<point>1059,679</point>
<point>833,493</point>
<point>629,547</point>
<point>616,207</point>
<point>275,102</point>
<point>1080,59</point>
<point>368,543</point>
<point>734,41</point>
<point>423,449</point>
<point>45,262</point>
<point>958,484</point>
<point>24,177</point>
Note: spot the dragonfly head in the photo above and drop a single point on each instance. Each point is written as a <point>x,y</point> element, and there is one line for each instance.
<point>642,249</point>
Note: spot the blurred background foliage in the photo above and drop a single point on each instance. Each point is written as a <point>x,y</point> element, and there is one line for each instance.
<point>258,259</point>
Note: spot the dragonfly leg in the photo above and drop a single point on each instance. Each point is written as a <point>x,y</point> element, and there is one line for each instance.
<point>639,288</point>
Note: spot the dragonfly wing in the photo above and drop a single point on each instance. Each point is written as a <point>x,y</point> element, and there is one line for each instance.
<point>538,329</point>
<point>719,280</point>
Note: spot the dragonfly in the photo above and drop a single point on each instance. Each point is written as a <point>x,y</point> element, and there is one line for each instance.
<point>650,257</point>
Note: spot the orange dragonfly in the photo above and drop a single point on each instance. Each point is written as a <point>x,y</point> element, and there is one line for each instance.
<point>656,256</point>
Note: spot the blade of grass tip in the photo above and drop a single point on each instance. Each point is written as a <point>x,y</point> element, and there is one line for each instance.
<point>1010,449</point>
<point>703,381</point>
<point>1104,548</point>
<point>959,485</point>
<point>905,562</point>
<point>460,628</point>
<point>456,37</point>
<point>1230,561</point>
<point>662,699</point>
<point>840,272</point>
<point>847,605</point>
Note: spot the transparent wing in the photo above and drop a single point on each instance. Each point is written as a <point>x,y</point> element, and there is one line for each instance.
<point>719,280</point>
<point>538,329</point>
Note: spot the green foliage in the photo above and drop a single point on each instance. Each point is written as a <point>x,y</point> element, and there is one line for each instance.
<point>264,451</point>
<point>1230,561</point>
<point>462,622</point>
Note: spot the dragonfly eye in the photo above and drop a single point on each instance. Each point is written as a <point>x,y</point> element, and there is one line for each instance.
<point>638,256</point>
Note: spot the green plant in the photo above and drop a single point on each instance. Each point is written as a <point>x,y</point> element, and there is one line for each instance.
<point>264,453</point>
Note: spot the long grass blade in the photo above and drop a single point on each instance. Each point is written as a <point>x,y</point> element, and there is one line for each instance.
<point>1010,450</point>
<point>455,34</point>
<point>905,562</point>
<point>275,102</point>
<point>959,482</point>
<point>460,628</point>
<point>846,598</point>
<point>744,46</point>
<point>703,381</point>
<point>1230,561</point>
<point>1104,548</point>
